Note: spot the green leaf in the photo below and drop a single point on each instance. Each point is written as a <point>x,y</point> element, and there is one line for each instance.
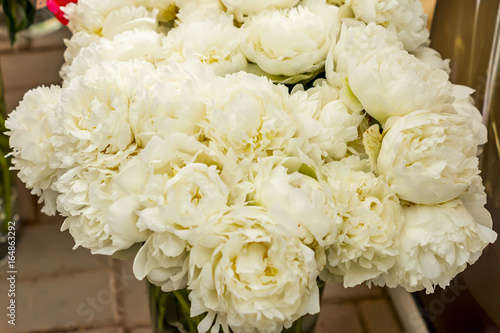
<point>308,171</point>
<point>19,15</point>
<point>27,12</point>
<point>9,10</point>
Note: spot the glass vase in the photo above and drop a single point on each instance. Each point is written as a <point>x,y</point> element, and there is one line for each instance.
<point>170,313</point>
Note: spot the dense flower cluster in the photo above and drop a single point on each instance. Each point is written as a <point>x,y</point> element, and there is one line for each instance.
<point>246,149</point>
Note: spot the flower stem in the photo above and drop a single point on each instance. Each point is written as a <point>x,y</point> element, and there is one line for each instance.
<point>298,325</point>
<point>161,310</point>
<point>186,311</point>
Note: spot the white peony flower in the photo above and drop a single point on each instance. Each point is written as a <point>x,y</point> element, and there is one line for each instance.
<point>464,106</point>
<point>437,242</point>
<point>130,45</point>
<point>250,274</point>
<point>199,10</point>
<point>367,241</point>
<point>168,155</point>
<point>124,211</point>
<point>106,20</point>
<point>102,206</point>
<point>429,158</point>
<point>73,185</point>
<point>201,4</point>
<point>325,92</point>
<point>291,43</point>
<point>249,115</point>
<point>354,43</point>
<point>432,58</point>
<point>323,132</point>
<point>129,19</point>
<point>164,157</point>
<point>242,8</point>
<point>320,91</point>
<point>107,17</point>
<point>386,80</point>
<point>183,202</point>
<point>215,42</point>
<point>74,45</point>
<point>163,259</point>
<point>474,199</point>
<point>162,6</point>
<point>390,82</point>
<point>406,17</point>
<point>92,113</point>
<point>89,231</point>
<point>31,133</point>
<point>168,100</point>
<point>89,15</point>
<point>292,196</point>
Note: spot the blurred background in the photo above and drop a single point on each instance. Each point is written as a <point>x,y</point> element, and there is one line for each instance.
<point>63,290</point>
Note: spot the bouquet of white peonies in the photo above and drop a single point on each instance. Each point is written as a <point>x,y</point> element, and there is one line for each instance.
<point>246,150</point>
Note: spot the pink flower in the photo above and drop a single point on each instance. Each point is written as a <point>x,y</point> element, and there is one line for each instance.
<point>55,7</point>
